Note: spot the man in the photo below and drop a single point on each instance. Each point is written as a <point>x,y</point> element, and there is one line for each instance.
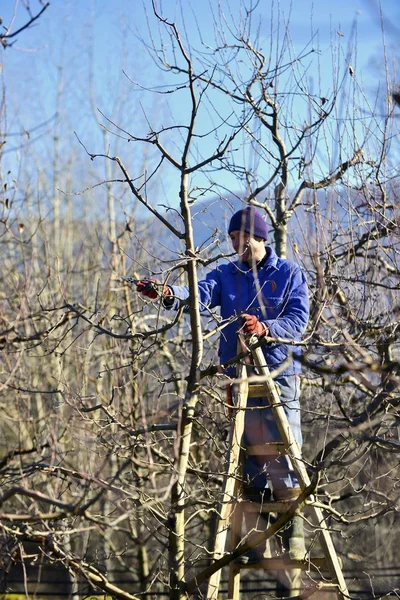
<point>267,296</point>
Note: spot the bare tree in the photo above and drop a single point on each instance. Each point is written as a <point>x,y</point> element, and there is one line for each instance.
<point>115,439</point>
<point>10,33</point>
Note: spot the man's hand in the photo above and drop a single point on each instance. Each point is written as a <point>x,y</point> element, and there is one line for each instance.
<point>152,288</point>
<point>251,326</point>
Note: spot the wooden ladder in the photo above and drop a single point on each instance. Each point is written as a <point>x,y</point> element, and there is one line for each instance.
<point>232,506</point>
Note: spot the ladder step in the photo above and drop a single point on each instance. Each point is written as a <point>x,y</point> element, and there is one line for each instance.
<point>282,563</point>
<point>266,507</point>
<point>257,390</point>
<point>305,592</point>
<point>267,449</point>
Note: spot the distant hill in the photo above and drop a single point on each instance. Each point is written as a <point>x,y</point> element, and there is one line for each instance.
<point>211,219</point>
<point>210,222</point>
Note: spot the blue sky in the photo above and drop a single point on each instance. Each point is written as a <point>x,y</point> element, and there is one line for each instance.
<point>75,38</point>
<point>69,29</point>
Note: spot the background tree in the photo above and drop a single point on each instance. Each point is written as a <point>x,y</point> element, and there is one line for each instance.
<point>113,444</point>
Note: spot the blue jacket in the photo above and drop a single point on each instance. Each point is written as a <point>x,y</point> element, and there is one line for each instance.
<point>277,294</point>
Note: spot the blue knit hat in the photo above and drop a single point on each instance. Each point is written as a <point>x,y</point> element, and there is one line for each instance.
<point>249,220</point>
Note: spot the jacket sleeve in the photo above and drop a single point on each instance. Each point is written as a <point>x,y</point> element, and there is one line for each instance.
<point>293,313</point>
<point>209,292</point>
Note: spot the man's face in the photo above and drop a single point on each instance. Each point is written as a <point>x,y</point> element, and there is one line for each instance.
<point>241,244</point>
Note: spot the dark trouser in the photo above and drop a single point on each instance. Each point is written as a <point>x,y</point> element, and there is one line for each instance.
<point>260,427</point>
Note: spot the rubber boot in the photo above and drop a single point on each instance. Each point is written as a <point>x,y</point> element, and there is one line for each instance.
<point>292,535</point>
<point>293,539</point>
<point>255,521</point>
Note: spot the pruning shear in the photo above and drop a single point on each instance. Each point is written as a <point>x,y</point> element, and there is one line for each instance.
<point>147,284</point>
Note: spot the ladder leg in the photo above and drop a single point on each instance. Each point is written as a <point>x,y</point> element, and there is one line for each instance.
<point>294,452</point>
<point>234,517</point>
<point>234,582</point>
<point>236,536</point>
<point>289,583</point>
<point>330,553</point>
<point>230,483</point>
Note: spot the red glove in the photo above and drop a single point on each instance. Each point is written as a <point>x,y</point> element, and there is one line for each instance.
<point>152,288</point>
<point>251,326</point>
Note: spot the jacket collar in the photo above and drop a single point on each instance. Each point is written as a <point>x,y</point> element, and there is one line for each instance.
<point>271,262</point>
